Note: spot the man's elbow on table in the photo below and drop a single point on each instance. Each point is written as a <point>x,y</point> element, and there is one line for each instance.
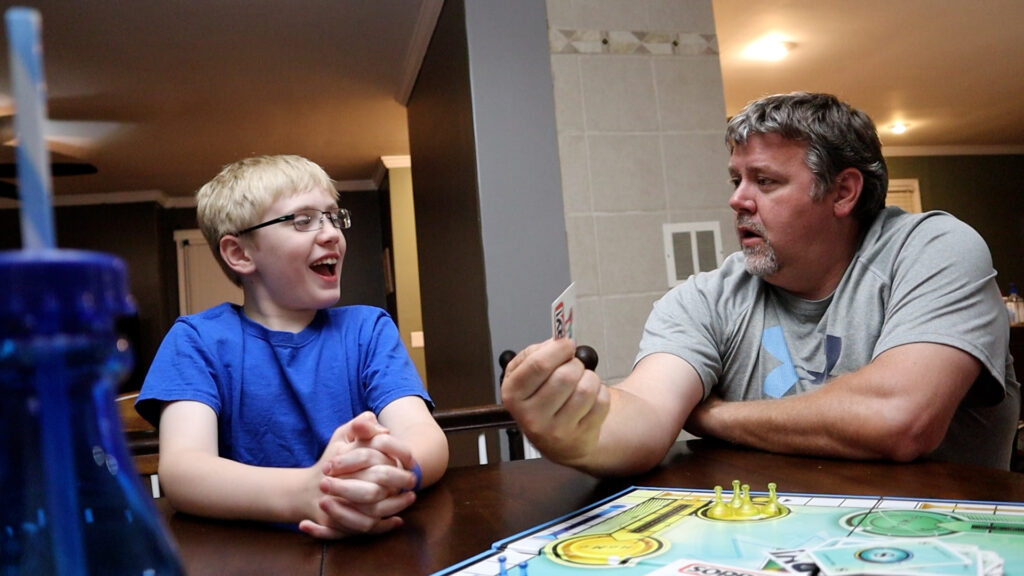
<point>907,436</point>
<point>629,463</point>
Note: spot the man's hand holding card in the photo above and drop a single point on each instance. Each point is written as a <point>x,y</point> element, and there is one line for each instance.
<point>563,325</point>
<point>562,310</point>
<point>559,405</point>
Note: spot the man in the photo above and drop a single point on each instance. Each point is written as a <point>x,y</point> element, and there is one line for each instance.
<point>841,329</point>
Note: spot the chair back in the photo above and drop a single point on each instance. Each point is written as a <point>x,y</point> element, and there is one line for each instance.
<point>143,440</point>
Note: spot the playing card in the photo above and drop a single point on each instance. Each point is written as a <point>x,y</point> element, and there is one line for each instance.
<point>685,567</point>
<point>892,557</point>
<point>794,561</point>
<point>562,314</point>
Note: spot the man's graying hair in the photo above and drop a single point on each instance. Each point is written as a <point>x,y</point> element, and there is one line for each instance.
<point>837,135</point>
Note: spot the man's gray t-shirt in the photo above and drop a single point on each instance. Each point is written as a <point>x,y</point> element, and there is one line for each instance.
<point>916,278</point>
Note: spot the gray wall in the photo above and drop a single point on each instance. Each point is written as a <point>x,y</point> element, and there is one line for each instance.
<point>491,231</point>
<point>526,262</point>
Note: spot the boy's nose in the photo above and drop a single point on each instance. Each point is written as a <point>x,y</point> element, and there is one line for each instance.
<point>328,234</point>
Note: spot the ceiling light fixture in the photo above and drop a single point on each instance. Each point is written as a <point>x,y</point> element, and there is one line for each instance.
<point>899,128</point>
<point>772,49</point>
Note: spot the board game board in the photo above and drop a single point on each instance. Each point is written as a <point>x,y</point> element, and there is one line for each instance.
<point>659,531</point>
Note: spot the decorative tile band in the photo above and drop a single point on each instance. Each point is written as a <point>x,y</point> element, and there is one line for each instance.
<point>631,42</point>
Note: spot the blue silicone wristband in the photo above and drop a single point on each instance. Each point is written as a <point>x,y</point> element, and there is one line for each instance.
<point>419,476</point>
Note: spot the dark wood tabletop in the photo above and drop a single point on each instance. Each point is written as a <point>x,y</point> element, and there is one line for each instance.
<point>472,507</point>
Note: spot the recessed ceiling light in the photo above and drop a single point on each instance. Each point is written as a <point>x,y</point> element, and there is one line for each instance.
<point>899,128</point>
<point>771,49</point>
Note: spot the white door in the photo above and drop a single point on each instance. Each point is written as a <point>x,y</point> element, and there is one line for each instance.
<point>201,282</point>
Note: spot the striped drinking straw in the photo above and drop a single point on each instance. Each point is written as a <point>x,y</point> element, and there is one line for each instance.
<point>26,51</point>
<point>62,515</point>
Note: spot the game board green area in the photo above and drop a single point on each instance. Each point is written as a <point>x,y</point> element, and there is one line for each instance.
<point>657,531</point>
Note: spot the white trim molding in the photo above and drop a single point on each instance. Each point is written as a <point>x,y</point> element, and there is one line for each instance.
<point>387,163</point>
<point>390,162</point>
<point>996,150</point>
<point>135,197</point>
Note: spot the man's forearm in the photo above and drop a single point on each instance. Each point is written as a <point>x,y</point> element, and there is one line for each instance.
<point>897,407</point>
<point>792,425</point>
<point>634,438</point>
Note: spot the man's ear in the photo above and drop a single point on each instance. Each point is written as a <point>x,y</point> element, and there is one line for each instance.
<point>847,188</point>
<point>235,255</point>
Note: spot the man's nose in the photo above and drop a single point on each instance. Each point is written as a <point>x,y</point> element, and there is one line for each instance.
<point>741,199</point>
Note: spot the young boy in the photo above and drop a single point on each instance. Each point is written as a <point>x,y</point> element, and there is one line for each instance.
<point>284,409</point>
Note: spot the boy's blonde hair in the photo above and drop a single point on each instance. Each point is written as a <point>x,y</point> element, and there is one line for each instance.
<point>243,191</point>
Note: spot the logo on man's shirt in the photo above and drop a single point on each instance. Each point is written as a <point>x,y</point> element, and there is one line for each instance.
<point>785,375</point>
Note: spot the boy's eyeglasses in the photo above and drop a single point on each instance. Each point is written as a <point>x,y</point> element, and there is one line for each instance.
<point>309,220</point>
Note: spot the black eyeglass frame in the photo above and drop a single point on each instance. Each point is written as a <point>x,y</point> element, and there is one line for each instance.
<point>340,219</point>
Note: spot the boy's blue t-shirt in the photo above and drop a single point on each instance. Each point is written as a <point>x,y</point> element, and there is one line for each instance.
<point>279,396</point>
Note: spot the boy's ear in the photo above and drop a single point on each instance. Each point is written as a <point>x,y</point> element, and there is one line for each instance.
<point>847,188</point>
<point>235,255</point>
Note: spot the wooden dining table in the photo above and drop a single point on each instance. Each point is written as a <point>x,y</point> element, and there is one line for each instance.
<point>473,507</point>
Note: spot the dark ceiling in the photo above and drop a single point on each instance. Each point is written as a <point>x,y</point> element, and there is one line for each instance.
<point>158,95</point>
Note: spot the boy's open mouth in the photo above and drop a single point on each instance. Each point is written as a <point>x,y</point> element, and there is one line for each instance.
<point>325,266</point>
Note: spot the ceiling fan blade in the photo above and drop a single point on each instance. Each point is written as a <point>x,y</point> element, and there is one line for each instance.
<point>60,164</point>
<point>57,169</point>
<point>8,190</point>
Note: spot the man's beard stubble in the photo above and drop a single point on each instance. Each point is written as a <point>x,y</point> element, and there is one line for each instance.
<point>760,259</point>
